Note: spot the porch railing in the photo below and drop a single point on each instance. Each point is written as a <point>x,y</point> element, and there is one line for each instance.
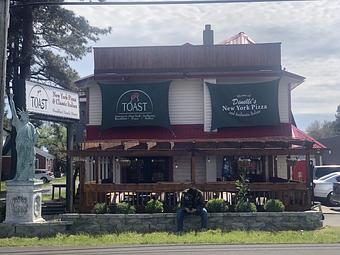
<point>294,195</point>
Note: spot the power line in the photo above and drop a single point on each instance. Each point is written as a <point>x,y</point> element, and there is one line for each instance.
<point>176,2</point>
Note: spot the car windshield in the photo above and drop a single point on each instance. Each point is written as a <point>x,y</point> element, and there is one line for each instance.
<point>329,176</point>
<point>324,170</point>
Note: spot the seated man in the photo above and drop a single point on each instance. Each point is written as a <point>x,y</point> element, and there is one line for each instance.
<point>192,202</point>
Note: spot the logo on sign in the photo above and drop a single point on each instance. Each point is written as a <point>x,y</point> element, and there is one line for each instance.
<point>244,106</point>
<point>134,105</point>
<point>38,98</point>
<point>134,101</point>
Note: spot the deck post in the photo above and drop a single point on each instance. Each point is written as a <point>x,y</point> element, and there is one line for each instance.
<point>81,185</point>
<point>193,167</point>
<point>69,170</point>
<point>309,182</point>
<point>96,166</point>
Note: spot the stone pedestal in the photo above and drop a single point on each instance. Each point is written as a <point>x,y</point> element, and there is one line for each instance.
<point>23,201</point>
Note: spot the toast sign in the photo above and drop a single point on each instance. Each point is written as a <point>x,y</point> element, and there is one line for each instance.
<point>50,101</point>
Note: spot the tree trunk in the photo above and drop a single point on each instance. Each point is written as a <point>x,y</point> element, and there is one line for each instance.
<point>27,42</point>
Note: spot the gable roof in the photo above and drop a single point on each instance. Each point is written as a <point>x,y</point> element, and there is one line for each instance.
<point>240,38</point>
<point>44,153</point>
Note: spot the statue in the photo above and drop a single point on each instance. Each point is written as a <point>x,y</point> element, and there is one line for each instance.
<point>26,138</point>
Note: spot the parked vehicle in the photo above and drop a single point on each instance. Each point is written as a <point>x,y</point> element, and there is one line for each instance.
<point>320,171</point>
<point>335,196</point>
<point>44,175</point>
<point>323,187</point>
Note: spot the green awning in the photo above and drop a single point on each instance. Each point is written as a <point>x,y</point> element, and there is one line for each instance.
<point>237,105</point>
<point>135,104</point>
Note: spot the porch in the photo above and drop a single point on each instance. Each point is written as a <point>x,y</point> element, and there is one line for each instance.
<point>101,177</point>
<point>294,195</point>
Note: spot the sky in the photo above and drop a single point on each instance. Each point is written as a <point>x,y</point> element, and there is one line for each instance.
<point>309,33</point>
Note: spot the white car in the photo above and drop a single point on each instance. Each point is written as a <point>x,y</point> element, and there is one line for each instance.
<point>323,187</point>
<point>44,175</point>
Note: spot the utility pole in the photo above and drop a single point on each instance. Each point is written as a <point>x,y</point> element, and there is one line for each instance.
<point>4,23</point>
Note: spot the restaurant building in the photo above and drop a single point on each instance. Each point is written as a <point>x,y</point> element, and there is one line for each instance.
<point>164,118</point>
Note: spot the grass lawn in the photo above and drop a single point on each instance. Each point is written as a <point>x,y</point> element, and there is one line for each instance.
<point>48,197</point>
<point>61,180</point>
<point>325,235</point>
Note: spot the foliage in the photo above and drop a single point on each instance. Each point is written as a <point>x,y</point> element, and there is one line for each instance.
<point>320,130</point>
<point>45,38</point>
<point>242,197</point>
<point>125,208</point>
<point>245,206</point>
<point>53,138</point>
<point>242,186</point>
<point>325,129</point>
<point>154,206</point>
<point>274,205</point>
<point>325,235</point>
<point>6,120</point>
<point>2,211</point>
<point>101,208</point>
<point>217,205</point>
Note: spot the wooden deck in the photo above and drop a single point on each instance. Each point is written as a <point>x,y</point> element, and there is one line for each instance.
<point>295,195</point>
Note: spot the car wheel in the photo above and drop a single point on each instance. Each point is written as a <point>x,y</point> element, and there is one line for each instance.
<point>44,179</point>
<point>331,201</point>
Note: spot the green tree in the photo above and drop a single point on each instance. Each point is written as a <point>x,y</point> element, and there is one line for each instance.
<point>53,138</point>
<point>318,129</point>
<point>43,39</point>
<point>7,121</point>
<point>337,122</point>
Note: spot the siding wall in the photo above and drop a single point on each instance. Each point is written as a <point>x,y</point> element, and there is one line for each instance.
<point>185,102</point>
<point>190,103</point>
<point>200,169</point>
<point>183,172</point>
<point>95,105</point>
<point>211,168</point>
<point>282,166</point>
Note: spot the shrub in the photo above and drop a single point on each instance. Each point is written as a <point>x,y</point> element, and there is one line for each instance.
<point>2,211</point>
<point>274,205</point>
<point>125,208</point>
<point>216,205</point>
<point>154,206</point>
<point>245,206</point>
<point>101,208</point>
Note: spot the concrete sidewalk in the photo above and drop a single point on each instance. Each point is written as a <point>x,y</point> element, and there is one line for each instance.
<point>330,210</point>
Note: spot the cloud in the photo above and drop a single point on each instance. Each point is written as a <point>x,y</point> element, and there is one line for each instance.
<point>308,32</point>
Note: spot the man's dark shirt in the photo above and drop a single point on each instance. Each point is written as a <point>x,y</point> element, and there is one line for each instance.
<point>192,199</point>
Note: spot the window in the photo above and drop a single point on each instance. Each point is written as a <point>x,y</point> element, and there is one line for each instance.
<point>145,170</point>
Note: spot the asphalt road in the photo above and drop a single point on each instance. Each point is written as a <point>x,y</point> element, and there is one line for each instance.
<point>184,250</point>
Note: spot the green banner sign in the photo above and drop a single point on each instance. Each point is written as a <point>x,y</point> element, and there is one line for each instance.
<point>131,104</point>
<point>237,105</point>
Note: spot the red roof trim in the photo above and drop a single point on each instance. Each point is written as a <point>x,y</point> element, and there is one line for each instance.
<point>182,132</point>
<point>300,135</point>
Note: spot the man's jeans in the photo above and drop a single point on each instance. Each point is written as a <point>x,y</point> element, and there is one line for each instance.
<point>181,213</point>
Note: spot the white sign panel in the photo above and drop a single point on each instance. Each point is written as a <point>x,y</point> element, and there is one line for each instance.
<point>51,101</point>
